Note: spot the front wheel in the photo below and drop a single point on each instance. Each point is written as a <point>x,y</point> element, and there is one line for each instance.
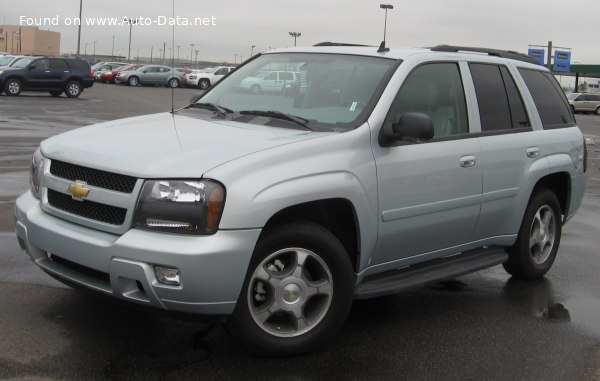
<point>597,110</point>
<point>133,81</point>
<point>539,237</point>
<point>204,84</point>
<point>297,292</point>
<point>173,82</point>
<point>12,87</point>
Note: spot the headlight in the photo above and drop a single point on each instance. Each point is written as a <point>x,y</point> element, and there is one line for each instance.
<point>180,206</point>
<point>1,71</point>
<point>35,173</point>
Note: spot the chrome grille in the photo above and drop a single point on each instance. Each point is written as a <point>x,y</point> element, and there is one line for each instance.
<point>88,209</point>
<point>94,177</point>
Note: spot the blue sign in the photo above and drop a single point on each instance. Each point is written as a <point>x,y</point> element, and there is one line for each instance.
<point>562,61</point>
<point>537,54</point>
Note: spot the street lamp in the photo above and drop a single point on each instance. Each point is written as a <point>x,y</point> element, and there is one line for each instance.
<point>197,51</point>
<point>252,51</point>
<point>191,53</point>
<point>95,49</point>
<point>85,51</point>
<point>235,58</point>
<point>178,53</point>
<point>386,7</point>
<point>112,50</point>
<point>295,35</point>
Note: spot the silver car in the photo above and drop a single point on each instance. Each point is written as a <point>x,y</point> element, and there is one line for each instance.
<point>151,75</point>
<point>584,102</point>
<point>381,170</point>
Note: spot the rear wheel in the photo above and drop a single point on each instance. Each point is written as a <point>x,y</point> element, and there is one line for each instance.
<point>539,237</point>
<point>297,292</point>
<point>12,87</point>
<point>173,82</point>
<point>597,110</point>
<point>73,89</point>
<point>255,89</point>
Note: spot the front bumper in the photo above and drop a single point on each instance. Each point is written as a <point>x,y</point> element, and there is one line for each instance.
<point>213,268</point>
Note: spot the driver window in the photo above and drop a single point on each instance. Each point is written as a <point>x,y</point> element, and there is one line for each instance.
<point>41,64</point>
<point>437,91</point>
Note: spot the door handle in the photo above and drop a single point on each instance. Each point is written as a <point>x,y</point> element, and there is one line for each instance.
<point>468,161</point>
<point>533,152</point>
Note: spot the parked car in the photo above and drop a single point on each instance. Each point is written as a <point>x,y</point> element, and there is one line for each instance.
<point>8,59</point>
<point>271,81</point>
<point>151,75</point>
<point>53,74</point>
<point>584,102</point>
<point>109,66</point>
<point>208,78</point>
<point>386,170</point>
<point>109,75</point>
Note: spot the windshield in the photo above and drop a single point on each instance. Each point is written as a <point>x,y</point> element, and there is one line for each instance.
<point>329,91</point>
<point>5,60</point>
<point>22,62</point>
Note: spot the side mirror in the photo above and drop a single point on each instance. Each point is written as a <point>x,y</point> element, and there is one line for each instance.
<point>194,98</point>
<point>412,127</point>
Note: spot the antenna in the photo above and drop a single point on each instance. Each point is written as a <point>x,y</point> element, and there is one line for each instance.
<point>173,61</point>
<point>382,48</point>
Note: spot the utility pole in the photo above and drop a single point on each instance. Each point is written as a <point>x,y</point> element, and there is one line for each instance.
<point>79,28</point>
<point>549,59</point>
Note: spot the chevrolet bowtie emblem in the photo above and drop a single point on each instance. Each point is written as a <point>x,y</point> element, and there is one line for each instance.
<point>78,191</point>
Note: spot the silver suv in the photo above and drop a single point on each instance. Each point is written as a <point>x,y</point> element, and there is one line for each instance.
<point>383,170</point>
<point>584,102</point>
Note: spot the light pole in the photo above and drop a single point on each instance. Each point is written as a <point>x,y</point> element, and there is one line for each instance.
<point>295,35</point>
<point>112,50</point>
<point>138,54</point>
<point>131,22</point>
<point>252,51</point>
<point>79,28</point>
<point>178,53</point>
<point>95,49</point>
<point>197,51</point>
<point>85,51</point>
<point>160,53</point>
<point>386,7</point>
<point>235,58</point>
<point>191,53</point>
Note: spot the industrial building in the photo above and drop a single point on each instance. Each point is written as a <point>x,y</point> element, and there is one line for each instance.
<point>17,39</point>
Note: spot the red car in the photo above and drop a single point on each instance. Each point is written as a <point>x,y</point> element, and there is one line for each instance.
<point>109,76</point>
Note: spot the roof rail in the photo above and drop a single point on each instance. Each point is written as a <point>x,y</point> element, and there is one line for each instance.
<point>329,43</point>
<point>491,52</point>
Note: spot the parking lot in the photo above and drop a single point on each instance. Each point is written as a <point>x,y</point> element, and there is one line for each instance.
<point>481,326</point>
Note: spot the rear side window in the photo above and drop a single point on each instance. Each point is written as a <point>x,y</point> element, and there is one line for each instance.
<point>80,64</point>
<point>500,104</point>
<point>549,99</point>
<point>58,64</point>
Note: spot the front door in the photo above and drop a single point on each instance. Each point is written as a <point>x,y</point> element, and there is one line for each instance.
<point>429,192</point>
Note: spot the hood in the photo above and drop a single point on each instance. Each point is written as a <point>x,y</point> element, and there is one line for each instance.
<point>166,145</point>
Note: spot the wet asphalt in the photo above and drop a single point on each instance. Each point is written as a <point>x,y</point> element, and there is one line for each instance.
<point>483,326</point>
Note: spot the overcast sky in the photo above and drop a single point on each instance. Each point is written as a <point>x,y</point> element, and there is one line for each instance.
<point>504,24</point>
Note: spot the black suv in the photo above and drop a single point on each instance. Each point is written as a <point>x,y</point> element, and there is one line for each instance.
<point>53,74</point>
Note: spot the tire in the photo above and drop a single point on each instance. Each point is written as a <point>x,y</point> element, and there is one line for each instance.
<point>539,238</point>
<point>255,89</point>
<point>73,89</point>
<point>597,112</point>
<point>204,84</point>
<point>56,93</point>
<point>13,87</point>
<point>276,314</point>
<point>133,81</point>
<point>174,82</point>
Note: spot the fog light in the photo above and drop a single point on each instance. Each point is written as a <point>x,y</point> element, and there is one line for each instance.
<point>166,275</point>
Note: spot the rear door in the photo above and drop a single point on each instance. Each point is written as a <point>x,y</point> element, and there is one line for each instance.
<point>510,149</point>
<point>59,72</point>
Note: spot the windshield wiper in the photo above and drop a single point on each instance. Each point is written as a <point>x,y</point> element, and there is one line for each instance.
<point>219,110</point>
<point>279,115</point>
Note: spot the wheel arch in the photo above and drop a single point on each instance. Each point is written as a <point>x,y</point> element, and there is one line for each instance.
<point>560,184</point>
<point>337,215</point>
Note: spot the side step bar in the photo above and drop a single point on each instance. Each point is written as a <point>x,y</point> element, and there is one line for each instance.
<point>433,271</point>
